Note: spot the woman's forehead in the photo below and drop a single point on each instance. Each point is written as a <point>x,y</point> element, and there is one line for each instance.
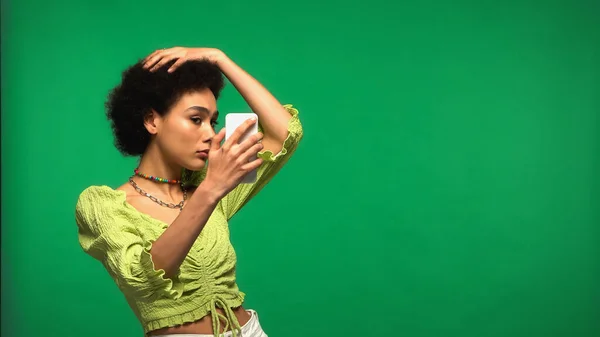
<point>204,100</point>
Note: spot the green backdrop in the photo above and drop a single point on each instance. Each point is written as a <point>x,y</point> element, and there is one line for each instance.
<point>447,184</point>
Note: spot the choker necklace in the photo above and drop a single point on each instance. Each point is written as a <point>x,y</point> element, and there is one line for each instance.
<point>156,179</point>
<point>156,200</point>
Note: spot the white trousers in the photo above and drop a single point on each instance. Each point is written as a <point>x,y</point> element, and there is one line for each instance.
<point>252,328</point>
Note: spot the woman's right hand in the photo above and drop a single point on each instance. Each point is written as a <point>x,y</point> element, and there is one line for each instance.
<point>227,165</point>
<point>230,162</point>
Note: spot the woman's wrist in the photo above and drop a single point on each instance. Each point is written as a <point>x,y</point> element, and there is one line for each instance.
<point>220,58</point>
<point>208,192</point>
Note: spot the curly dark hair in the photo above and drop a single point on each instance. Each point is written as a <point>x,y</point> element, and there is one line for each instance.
<point>141,90</point>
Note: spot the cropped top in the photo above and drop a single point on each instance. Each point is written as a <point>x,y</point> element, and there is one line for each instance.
<point>119,236</point>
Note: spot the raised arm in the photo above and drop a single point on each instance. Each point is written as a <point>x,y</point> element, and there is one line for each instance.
<point>279,124</point>
<point>273,117</point>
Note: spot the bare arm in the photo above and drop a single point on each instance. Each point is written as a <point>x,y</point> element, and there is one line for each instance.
<point>171,248</point>
<point>272,115</point>
<point>227,165</point>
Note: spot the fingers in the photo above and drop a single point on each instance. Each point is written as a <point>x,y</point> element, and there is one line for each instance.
<point>152,55</point>
<point>215,143</point>
<point>248,143</point>
<point>162,55</point>
<point>176,65</point>
<point>238,133</point>
<point>162,62</point>
<point>153,58</point>
<point>252,165</point>
<point>250,153</point>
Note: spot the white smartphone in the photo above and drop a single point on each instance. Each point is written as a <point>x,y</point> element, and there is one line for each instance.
<point>232,122</point>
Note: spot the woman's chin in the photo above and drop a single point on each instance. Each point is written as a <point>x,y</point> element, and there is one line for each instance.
<point>196,165</point>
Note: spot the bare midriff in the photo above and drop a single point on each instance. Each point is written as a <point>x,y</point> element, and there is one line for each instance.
<point>204,325</point>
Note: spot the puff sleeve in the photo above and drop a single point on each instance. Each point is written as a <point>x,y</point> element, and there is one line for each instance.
<point>106,232</point>
<point>272,164</point>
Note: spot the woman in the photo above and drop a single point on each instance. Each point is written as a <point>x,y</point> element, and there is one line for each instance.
<point>163,235</point>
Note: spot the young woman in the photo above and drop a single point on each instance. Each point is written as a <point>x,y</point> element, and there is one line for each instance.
<point>163,235</point>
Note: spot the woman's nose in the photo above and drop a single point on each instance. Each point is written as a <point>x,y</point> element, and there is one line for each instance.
<point>209,133</point>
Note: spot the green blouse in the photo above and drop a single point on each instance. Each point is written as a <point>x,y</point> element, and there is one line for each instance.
<point>120,237</point>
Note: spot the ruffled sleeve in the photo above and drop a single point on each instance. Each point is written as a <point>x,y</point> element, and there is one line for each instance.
<point>106,232</point>
<point>272,163</point>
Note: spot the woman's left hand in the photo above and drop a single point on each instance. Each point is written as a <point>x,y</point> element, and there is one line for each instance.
<point>160,57</point>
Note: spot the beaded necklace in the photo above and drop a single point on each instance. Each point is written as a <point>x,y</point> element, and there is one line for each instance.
<point>159,180</point>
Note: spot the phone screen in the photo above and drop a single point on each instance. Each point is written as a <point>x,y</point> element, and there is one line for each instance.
<point>232,122</point>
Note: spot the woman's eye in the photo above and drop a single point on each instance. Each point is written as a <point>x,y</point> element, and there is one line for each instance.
<point>214,123</point>
<point>196,120</point>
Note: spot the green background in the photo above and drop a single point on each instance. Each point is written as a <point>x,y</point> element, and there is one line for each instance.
<point>447,184</point>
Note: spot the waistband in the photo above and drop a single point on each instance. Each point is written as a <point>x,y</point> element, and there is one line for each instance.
<point>246,328</point>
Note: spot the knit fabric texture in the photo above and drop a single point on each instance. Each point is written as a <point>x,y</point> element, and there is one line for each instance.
<point>113,232</point>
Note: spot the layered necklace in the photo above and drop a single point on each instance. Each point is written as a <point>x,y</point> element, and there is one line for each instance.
<point>179,205</point>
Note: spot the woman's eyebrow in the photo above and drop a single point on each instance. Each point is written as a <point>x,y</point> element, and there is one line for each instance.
<point>204,110</point>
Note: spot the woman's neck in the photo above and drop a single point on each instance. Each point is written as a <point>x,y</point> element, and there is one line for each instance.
<point>153,164</point>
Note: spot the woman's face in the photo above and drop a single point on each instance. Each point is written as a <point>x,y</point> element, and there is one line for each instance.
<point>183,135</point>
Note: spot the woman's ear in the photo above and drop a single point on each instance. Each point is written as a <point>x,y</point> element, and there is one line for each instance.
<point>152,122</point>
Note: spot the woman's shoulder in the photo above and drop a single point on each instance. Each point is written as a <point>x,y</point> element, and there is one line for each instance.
<point>101,205</point>
<point>95,197</point>
<point>100,193</point>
